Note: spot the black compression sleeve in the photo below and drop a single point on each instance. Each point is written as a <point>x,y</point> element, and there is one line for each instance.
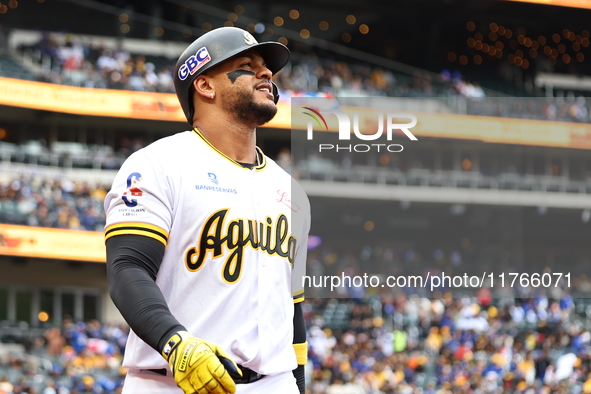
<point>132,264</point>
<point>299,324</point>
<point>299,336</point>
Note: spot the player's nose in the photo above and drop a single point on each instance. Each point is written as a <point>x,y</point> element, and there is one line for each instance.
<point>264,73</point>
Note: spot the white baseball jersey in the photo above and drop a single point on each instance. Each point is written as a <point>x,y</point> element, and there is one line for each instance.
<point>236,242</point>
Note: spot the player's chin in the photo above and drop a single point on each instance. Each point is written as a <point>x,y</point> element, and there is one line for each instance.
<point>271,107</point>
<point>266,112</point>
<point>267,102</point>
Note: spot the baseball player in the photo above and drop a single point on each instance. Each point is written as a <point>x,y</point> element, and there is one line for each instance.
<point>207,237</point>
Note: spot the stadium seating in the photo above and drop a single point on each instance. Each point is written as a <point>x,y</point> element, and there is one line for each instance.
<point>59,60</point>
<point>12,69</point>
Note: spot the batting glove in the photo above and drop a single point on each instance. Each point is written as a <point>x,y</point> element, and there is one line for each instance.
<point>200,366</point>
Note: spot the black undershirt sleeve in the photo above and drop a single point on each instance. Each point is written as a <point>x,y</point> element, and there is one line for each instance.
<point>299,336</point>
<point>299,324</point>
<point>132,264</point>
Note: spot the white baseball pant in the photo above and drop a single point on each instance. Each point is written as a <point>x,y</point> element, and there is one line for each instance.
<point>146,382</point>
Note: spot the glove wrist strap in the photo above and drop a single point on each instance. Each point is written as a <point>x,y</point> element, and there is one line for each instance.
<point>301,351</point>
<point>173,342</point>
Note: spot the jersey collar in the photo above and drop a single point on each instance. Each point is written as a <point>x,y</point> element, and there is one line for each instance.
<point>260,154</point>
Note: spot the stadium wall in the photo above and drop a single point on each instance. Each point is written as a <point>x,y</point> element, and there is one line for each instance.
<point>55,279</point>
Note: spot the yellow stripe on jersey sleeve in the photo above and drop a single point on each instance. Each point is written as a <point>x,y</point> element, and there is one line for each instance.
<point>145,229</point>
<point>298,296</point>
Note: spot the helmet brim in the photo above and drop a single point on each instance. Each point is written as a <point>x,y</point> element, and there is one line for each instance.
<point>275,55</point>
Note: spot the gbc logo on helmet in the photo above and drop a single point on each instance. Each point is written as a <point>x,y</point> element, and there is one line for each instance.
<point>194,63</point>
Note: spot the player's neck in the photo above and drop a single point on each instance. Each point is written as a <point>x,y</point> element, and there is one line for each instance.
<point>235,141</point>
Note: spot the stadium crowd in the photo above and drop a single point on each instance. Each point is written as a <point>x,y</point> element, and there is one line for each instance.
<point>72,358</point>
<point>444,345</point>
<point>74,62</point>
<point>47,202</point>
<point>411,345</point>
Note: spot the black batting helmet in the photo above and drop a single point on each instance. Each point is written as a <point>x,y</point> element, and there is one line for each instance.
<point>214,47</point>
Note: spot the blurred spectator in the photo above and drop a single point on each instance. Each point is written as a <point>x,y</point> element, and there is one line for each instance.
<point>74,63</point>
<point>46,202</point>
<point>284,159</point>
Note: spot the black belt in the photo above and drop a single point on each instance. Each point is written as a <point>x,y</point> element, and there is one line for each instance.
<point>158,371</point>
<point>248,375</point>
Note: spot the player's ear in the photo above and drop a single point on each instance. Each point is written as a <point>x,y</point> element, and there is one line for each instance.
<point>204,86</point>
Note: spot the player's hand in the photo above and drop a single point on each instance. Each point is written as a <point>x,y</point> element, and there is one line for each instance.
<point>200,366</point>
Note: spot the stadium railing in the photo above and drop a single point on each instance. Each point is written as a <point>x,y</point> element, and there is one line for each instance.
<point>329,172</point>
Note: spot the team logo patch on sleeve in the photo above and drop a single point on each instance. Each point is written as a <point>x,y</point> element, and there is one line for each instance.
<point>194,63</point>
<point>132,190</point>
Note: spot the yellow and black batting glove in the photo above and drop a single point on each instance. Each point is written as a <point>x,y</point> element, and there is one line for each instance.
<point>200,366</point>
